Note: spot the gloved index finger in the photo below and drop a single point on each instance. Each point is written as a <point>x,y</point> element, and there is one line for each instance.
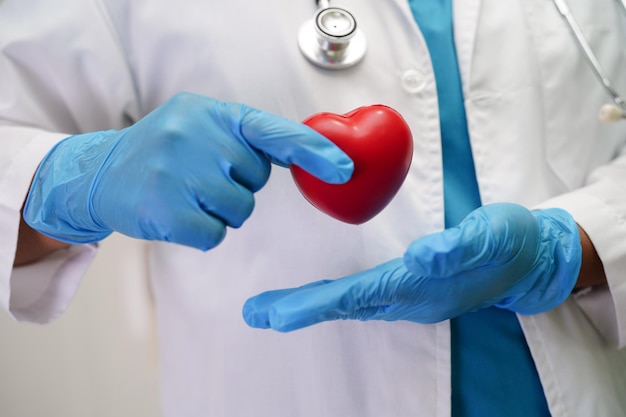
<point>256,309</point>
<point>287,142</point>
<point>355,297</point>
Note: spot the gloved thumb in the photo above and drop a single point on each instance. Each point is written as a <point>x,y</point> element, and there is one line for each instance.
<point>499,233</point>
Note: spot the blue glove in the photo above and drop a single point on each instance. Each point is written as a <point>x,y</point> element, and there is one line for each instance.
<point>181,174</point>
<point>501,255</point>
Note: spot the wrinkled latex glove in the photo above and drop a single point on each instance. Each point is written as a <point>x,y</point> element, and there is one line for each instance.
<point>182,173</point>
<point>501,255</point>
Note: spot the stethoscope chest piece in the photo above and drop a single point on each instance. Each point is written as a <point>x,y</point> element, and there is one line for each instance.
<point>332,40</point>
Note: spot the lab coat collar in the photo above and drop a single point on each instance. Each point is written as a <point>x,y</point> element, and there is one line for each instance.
<point>465,15</point>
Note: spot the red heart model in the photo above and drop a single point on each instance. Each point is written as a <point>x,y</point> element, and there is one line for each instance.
<point>380,144</point>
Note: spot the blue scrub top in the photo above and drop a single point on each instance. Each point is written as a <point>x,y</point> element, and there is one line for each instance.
<point>493,373</point>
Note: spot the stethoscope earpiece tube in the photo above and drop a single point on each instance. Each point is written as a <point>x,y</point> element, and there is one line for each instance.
<point>608,112</point>
<point>611,113</point>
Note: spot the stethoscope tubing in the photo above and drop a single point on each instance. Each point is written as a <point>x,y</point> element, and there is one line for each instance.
<point>590,56</point>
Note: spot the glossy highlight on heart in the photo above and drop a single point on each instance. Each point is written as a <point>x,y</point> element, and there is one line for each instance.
<point>380,143</point>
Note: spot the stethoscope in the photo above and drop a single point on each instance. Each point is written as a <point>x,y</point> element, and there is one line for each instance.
<point>609,112</point>
<point>332,40</point>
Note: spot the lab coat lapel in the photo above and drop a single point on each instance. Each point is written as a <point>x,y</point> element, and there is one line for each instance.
<point>465,14</point>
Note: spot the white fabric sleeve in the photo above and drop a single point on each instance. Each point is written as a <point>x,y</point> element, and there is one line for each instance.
<point>63,69</point>
<point>39,292</point>
<point>600,210</point>
<point>42,291</point>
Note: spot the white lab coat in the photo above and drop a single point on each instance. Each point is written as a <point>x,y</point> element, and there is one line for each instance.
<point>531,101</point>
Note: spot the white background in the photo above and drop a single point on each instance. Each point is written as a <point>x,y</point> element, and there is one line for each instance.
<point>97,360</point>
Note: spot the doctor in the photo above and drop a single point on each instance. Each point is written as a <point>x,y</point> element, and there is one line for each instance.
<point>97,138</point>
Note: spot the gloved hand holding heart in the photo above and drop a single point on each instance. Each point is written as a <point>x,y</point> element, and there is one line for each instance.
<point>379,142</point>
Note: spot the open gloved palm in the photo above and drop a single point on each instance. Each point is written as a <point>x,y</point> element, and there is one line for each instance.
<point>501,255</point>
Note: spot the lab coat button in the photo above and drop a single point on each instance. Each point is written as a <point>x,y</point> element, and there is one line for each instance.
<point>413,81</point>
